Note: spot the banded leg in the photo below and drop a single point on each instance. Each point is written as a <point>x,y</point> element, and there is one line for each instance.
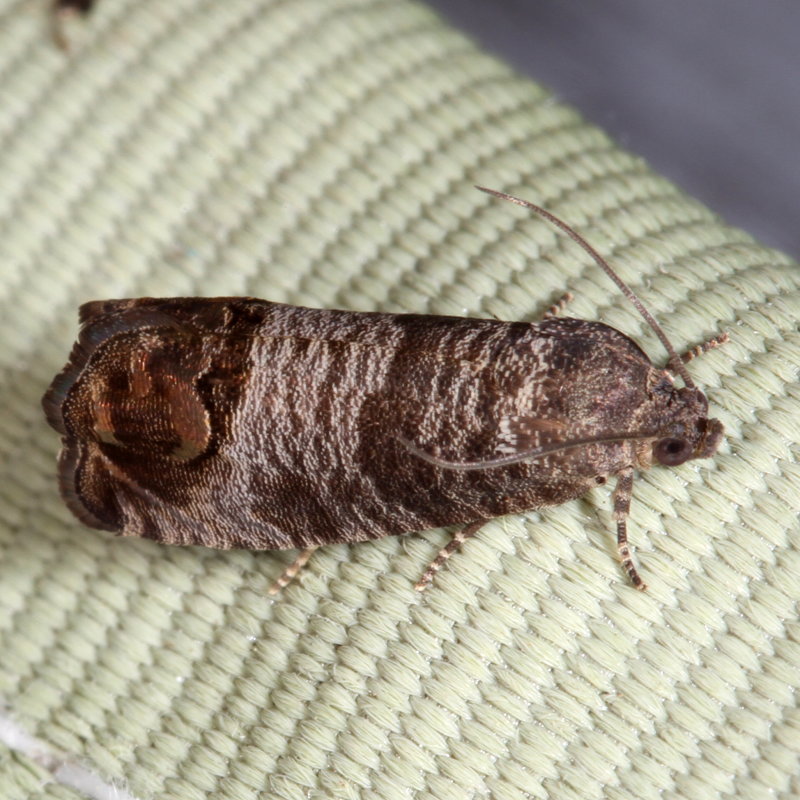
<point>558,306</point>
<point>622,505</point>
<point>458,538</point>
<point>699,349</point>
<point>290,573</point>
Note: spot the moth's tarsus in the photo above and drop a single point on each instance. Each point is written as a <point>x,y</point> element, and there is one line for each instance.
<point>291,572</point>
<point>675,362</point>
<point>559,306</point>
<point>704,347</point>
<point>459,537</point>
<point>623,492</point>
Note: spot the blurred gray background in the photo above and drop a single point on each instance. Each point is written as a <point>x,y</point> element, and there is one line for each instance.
<point>708,91</point>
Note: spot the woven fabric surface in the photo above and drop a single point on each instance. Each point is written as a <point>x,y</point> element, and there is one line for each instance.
<point>23,778</point>
<point>322,152</point>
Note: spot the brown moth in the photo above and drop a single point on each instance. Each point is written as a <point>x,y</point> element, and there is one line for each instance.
<point>235,422</point>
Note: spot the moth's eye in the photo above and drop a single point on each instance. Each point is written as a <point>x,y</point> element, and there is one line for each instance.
<point>672,452</point>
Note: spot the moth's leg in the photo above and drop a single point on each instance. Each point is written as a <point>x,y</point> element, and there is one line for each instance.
<point>698,350</point>
<point>458,538</point>
<point>558,306</point>
<point>289,574</point>
<point>622,505</point>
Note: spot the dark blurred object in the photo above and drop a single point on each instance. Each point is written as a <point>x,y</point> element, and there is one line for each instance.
<point>63,10</point>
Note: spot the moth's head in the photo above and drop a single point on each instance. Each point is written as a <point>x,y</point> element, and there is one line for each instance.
<point>687,431</point>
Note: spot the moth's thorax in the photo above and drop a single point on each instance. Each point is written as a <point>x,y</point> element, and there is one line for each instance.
<point>589,377</point>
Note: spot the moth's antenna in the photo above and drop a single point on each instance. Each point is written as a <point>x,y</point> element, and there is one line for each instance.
<point>525,455</point>
<point>674,362</point>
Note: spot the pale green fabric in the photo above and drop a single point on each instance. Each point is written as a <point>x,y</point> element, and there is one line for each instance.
<point>322,152</point>
<point>22,778</point>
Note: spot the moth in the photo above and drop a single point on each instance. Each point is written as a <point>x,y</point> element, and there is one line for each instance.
<point>233,422</point>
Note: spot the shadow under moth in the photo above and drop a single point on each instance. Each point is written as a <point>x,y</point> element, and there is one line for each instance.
<point>236,422</point>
